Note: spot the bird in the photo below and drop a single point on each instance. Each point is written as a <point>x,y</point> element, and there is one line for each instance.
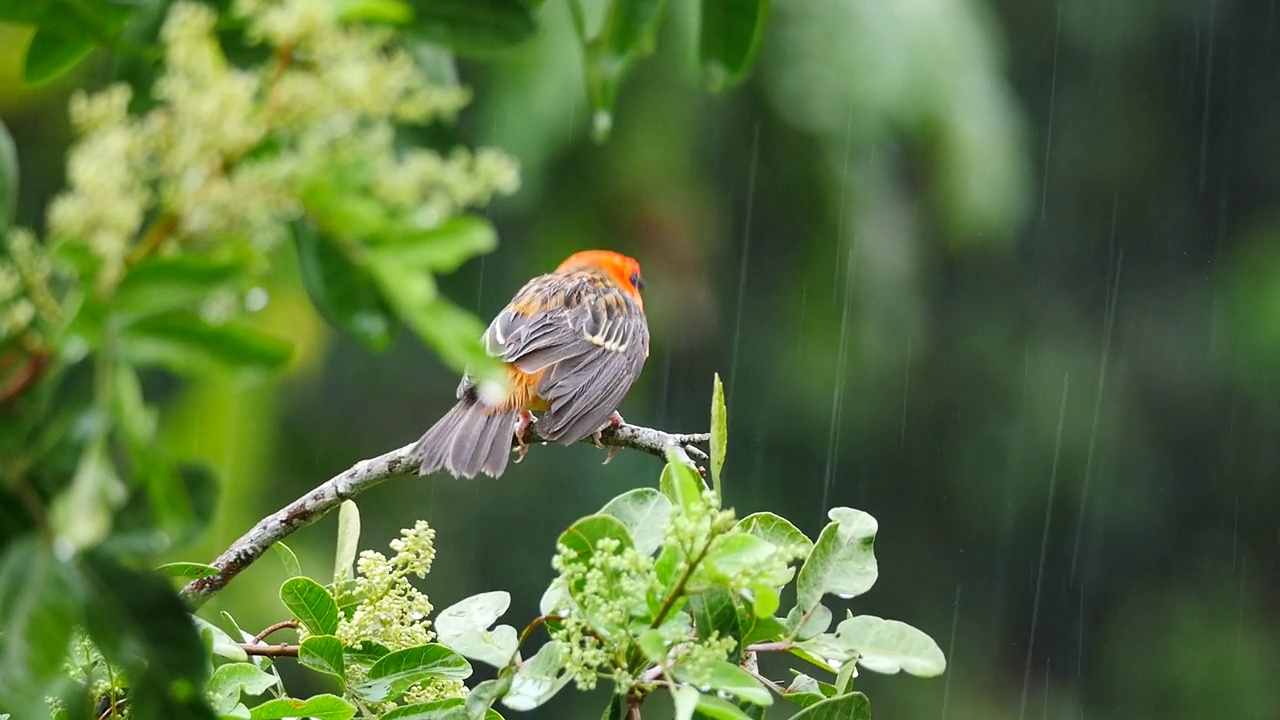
<point>573,341</point>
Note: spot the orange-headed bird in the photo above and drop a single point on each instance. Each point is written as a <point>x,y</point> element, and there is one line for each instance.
<point>573,341</point>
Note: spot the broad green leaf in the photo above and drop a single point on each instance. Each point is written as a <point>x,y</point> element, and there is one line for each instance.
<point>311,603</point>
<point>441,249</point>
<point>231,679</point>
<point>344,557</point>
<point>816,622</point>
<point>764,600</point>
<point>685,699</point>
<point>397,671</point>
<point>556,600</point>
<point>464,626</point>
<point>736,553</point>
<point>842,562</point>
<point>185,343</point>
<point>645,512</point>
<point>139,623</point>
<point>387,12</point>
<point>324,654</point>
<point>187,570</point>
<point>475,27</point>
<point>161,284</point>
<point>844,678</point>
<point>366,652</point>
<point>853,706</point>
<point>83,512</point>
<point>719,432</point>
<point>584,536</point>
<point>343,291</point>
<point>316,707</point>
<point>627,34</point>
<point>718,708</point>
<point>727,678</point>
<point>67,34</point>
<point>482,697</point>
<point>777,530</point>
<point>538,679</point>
<point>887,646</point>
<point>716,612</point>
<point>730,35</point>
<point>681,484</point>
<point>8,179</point>
<point>805,691</point>
<point>760,629</point>
<point>292,567</point>
<point>37,614</point>
<point>218,641</point>
<point>447,709</point>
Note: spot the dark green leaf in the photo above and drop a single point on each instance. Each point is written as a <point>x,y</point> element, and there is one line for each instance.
<point>853,706</point>
<point>645,512</point>
<point>67,32</point>
<point>23,12</point>
<point>163,284</point>
<point>187,570</point>
<point>447,709</point>
<point>232,679</point>
<point>727,678</point>
<point>475,27</point>
<point>887,646</point>
<point>342,290</point>
<point>185,343</point>
<point>583,536</point>
<point>842,562</point>
<point>323,653</point>
<point>292,567</point>
<point>628,33</point>
<point>139,623</point>
<point>441,249</point>
<point>719,425</point>
<point>760,629</point>
<point>37,614</point>
<point>616,709</point>
<point>366,652</point>
<point>731,31</point>
<point>311,603</point>
<point>717,708</point>
<point>394,673</point>
<point>8,179</point>
<point>538,679</point>
<point>316,707</point>
<point>716,612</point>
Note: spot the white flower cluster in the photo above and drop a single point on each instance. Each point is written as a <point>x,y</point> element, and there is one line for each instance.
<point>24,286</point>
<point>228,153</point>
<point>392,612</point>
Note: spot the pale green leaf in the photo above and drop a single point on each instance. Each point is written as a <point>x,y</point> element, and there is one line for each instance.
<point>219,642</point>
<point>645,512</point>
<point>316,707</point>
<point>685,699</point>
<point>538,679</point>
<point>231,680</point>
<point>187,570</point>
<point>348,541</point>
<point>681,484</point>
<point>853,706</point>
<point>292,567</point>
<point>777,530</point>
<point>887,646</point>
<point>727,678</point>
<point>717,708</point>
<point>719,433</point>
<point>842,561</point>
<point>464,626</point>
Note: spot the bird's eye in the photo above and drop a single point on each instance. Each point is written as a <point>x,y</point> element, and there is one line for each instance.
<point>636,280</point>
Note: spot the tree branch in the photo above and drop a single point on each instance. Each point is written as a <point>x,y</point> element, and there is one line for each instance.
<point>270,650</point>
<point>372,472</point>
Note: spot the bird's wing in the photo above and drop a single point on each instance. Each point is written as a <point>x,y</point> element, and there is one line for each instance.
<point>586,335</point>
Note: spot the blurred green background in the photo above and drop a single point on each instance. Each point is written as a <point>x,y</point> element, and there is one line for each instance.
<point>1004,274</point>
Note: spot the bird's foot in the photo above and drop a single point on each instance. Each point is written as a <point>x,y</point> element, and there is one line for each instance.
<point>522,427</point>
<point>615,420</point>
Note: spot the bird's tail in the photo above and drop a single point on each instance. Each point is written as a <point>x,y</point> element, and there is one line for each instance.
<point>470,439</point>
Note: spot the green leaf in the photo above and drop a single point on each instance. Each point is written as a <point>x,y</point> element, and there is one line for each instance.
<point>161,284</point>
<point>681,484</point>
<point>842,562</point>
<point>324,654</point>
<point>685,699</point>
<point>716,612</point>
<point>464,626</point>
<point>447,709</point>
<point>348,541</point>
<point>37,614</point>
<point>316,707</point>
<point>582,537</point>
<point>187,570</point>
<point>887,646</point>
<point>441,249</point>
<point>645,512</point>
<point>311,603</point>
<point>82,514</point>
<point>8,179</point>
<point>343,291</point>
<point>538,679</point>
<point>719,427</point>
<point>736,553</point>
<point>718,708</point>
<point>138,622</point>
<point>483,696</point>
<point>232,679</point>
<point>815,623</point>
<point>853,706</point>
<point>397,671</point>
<point>556,600</point>
<point>761,629</point>
<point>765,599</point>
<point>23,12</point>
<point>218,641</point>
<point>387,12</point>
<point>292,567</point>
<point>777,530</point>
<point>627,34</point>
<point>67,32</point>
<point>805,691</point>
<point>185,343</point>
<point>727,678</point>
<point>731,31</point>
<point>475,27</point>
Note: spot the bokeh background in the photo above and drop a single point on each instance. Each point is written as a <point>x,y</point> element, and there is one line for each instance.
<point>1004,274</point>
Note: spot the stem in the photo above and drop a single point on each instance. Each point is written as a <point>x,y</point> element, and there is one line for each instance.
<point>270,650</point>
<point>769,646</point>
<point>370,473</point>
<point>155,236</point>
<point>274,628</point>
<point>669,601</point>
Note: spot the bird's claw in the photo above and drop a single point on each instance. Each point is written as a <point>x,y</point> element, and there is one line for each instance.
<point>522,426</point>
<point>615,420</point>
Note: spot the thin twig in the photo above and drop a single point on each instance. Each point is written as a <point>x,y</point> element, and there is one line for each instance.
<point>769,646</point>
<point>366,474</point>
<point>274,628</point>
<point>113,708</point>
<point>678,590</point>
<point>270,650</point>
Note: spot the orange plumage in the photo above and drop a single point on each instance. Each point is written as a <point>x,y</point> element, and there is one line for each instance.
<point>574,341</point>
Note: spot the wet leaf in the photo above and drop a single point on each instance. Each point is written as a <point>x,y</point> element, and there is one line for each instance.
<point>475,27</point>
<point>311,603</point>
<point>441,249</point>
<point>727,678</point>
<point>316,707</point>
<point>464,626</point>
<point>164,284</point>
<point>853,706</point>
<point>729,38</point>
<point>717,708</point>
<point>645,512</point>
<point>736,553</point>
<point>887,646</point>
<point>323,653</point>
<point>777,530</point>
<point>396,672</point>
<point>538,680</point>
<point>681,484</point>
<point>842,562</point>
<point>67,32</point>
<point>219,642</point>
<point>292,567</point>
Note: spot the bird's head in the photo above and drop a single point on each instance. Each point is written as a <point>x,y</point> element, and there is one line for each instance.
<point>624,270</point>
